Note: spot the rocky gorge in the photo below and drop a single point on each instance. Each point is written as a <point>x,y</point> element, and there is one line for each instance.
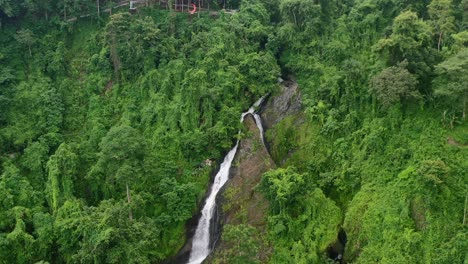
<point>240,203</point>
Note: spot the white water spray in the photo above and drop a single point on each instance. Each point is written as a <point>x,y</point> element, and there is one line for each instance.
<point>201,239</point>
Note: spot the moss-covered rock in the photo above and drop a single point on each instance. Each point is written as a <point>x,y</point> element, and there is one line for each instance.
<point>241,203</point>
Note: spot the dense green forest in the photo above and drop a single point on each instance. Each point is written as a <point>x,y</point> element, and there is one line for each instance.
<point>106,121</point>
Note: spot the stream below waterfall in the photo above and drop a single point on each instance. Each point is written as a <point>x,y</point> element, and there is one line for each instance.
<point>201,239</point>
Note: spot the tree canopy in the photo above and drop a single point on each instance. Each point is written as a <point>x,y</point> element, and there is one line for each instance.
<point>108,118</point>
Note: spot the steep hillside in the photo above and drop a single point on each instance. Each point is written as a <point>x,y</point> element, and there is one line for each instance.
<point>109,121</point>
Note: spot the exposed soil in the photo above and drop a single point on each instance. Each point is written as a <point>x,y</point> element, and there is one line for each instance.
<point>453,142</point>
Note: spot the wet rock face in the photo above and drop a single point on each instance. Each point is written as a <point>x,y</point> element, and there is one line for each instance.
<point>183,255</point>
<point>286,103</point>
<point>251,161</point>
<point>239,202</point>
<point>336,250</point>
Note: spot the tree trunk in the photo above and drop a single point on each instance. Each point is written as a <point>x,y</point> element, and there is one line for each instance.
<point>129,200</point>
<point>98,9</point>
<point>30,53</point>
<point>464,107</point>
<point>465,210</point>
<point>114,55</point>
<point>441,34</point>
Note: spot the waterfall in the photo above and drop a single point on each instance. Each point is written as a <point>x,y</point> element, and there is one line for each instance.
<point>201,239</point>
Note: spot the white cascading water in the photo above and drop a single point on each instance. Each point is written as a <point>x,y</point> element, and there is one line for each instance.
<point>201,239</point>
<point>258,121</point>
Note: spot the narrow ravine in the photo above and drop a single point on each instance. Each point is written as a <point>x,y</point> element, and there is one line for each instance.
<point>201,240</point>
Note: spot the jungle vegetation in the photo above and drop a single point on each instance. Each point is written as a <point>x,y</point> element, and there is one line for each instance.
<point>105,122</point>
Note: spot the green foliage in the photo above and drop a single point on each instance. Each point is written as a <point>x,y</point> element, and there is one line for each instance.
<point>242,242</point>
<point>62,173</point>
<point>378,212</point>
<point>452,79</point>
<point>408,211</point>
<point>104,234</point>
<point>302,221</point>
<point>410,40</point>
<point>283,139</point>
<point>391,172</point>
<point>442,19</point>
<point>20,209</point>
<point>281,187</point>
<point>460,40</point>
<point>105,120</point>
<point>105,123</point>
<point>303,14</point>
<point>119,161</point>
<point>393,85</point>
<point>26,37</point>
<point>10,8</point>
<point>133,43</point>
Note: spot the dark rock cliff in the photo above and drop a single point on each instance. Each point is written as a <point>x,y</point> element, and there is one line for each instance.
<point>240,202</point>
<point>286,103</point>
<point>251,161</point>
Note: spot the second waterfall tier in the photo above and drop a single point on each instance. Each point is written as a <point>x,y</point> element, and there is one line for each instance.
<point>201,240</point>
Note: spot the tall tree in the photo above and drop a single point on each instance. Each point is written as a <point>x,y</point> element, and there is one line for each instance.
<point>452,81</point>
<point>410,39</point>
<point>118,166</point>
<point>26,37</point>
<point>10,8</point>
<point>39,8</point>
<point>442,19</point>
<point>394,84</point>
<point>133,43</point>
<point>243,244</point>
<point>61,169</point>
<point>305,15</point>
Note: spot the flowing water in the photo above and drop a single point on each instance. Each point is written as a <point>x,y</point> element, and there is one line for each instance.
<point>201,239</point>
